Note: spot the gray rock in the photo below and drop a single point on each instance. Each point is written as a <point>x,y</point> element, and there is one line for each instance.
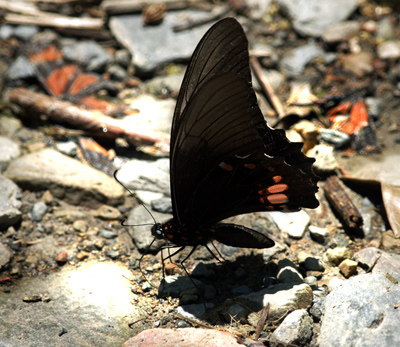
<point>6,255</point>
<point>317,308</point>
<point>174,285</point>
<point>295,60</point>
<point>362,312</point>
<point>154,46</point>
<point>282,298</point>
<point>39,210</point>
<point>163,205</point>
<point>107,234</point>
<point>335,137</point>
<point>25,32</point>
<point>6,31</point>
<point>122,57</point>
<point>295,329</point>
<point>140,229</point>
<point>44,250</point>
<point>65,178</point>
<point>146,175</point>
<point>194,311</point>
<point>341,31</point>
<point>9,203</point>
<point>312,17</point>
<point>78,296</point>
<point>68,148</point>
<point>88,53</point>
<point>117,73</point>
<point>385,29</point>
<point>10,125</point>
<point>21,68</point>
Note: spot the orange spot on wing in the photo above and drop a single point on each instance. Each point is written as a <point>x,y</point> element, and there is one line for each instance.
<point>277,188</point>
<point>250,166</point>
<point>277,199</point>
<point>225,166</point>
<point>277,179</point>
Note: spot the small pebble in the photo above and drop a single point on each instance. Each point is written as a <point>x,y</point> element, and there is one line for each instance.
<point>348,267</point>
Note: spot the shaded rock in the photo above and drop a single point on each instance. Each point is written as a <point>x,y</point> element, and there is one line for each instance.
<point>314,264</point>
<point>282,298</point>
<point>312,17</point>
<point>295,60</point>
<point>186,337</point>
<point>89,54</point>
<point>295,329</point>
<point>9,203</point>
<point>174,285</point>
<point>6,255</point>
<point>361,312</point>
<point>289,275</point>
<point>154,46</point>
<point>66,178</point>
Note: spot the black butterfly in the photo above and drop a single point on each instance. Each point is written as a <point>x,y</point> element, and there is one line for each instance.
<point>224,159</point>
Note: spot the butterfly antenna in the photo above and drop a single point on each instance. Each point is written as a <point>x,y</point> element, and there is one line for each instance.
<point>135,196</point>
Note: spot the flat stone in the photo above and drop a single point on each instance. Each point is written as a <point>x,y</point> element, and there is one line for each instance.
<point>296,329</point>
<point>65,178</point>
<point>361,312</point>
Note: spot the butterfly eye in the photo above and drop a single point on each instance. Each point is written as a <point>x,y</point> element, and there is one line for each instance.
<point>156,231</point>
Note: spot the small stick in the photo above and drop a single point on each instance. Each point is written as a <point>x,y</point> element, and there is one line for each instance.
<point>94,121</point>
<point>266,86</point>
<point>347,212</point>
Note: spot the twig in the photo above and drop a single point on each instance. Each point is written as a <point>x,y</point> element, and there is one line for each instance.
<point>130,6</point>
<point>342,205</point>
<point>266,86</point>
<point>94,121</point>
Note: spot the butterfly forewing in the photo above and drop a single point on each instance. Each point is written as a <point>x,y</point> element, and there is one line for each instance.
<point>225,159</point>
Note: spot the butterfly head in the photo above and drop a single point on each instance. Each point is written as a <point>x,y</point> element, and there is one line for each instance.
<point>157,231</point>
